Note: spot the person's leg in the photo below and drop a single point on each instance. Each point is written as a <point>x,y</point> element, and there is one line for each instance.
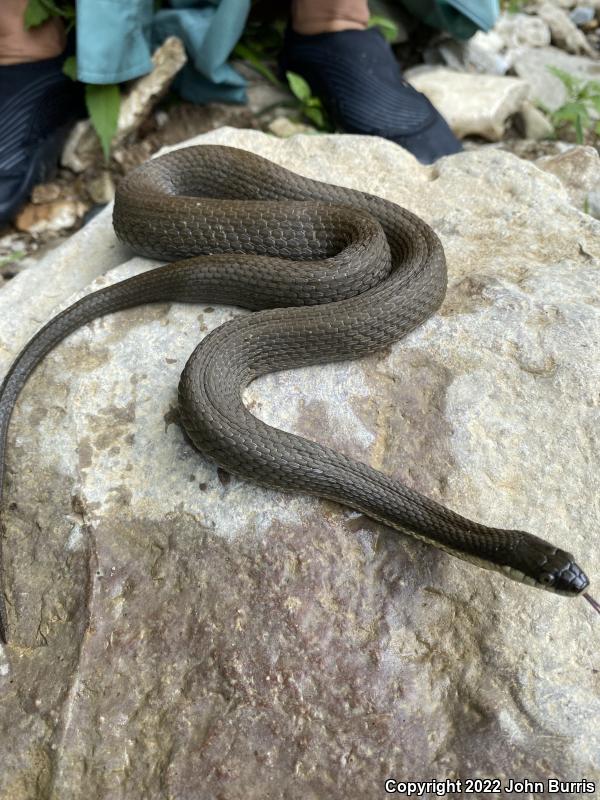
<point>38,104</point>
<point>354,71</point>
<point>20,45</point>
<point>327,16</point>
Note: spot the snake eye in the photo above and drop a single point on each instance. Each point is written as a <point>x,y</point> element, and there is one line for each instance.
<point>546,578</point>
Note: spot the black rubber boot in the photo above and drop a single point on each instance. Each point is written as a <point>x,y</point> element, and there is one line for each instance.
<point>38,106</point>
<point>358,78</point>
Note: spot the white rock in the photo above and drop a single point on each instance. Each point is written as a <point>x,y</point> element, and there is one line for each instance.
<point>168,59</point>
<point>536,125</point>
<point>190,636</point>
<point>101,188</point>
<point>472,104</point>
<point>522,30</point>
<point>261,93</point>
<point>532,64</point>
<point>57,215</point>
<point>284,127</point>
<point>45,192</point>
<point>565,33</point>
<point>593,203</point>
<point>472,55</point>
<point>578,170</point>
<point>582,15</point>
<point>82,147</point>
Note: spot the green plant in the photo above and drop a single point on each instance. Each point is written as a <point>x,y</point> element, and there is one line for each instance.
<point>512,6</point>
<point>388,28</point>
<point>103,101</point>
<point>11,258</point>
<point>582,103</point>
<point>310,106</point>
<point>39,11</point>
<point>261,43</point>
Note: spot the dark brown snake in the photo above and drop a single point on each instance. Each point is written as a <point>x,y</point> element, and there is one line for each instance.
<point>333,274</point>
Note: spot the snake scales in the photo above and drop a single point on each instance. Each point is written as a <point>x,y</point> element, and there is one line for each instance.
<point>333,274</point>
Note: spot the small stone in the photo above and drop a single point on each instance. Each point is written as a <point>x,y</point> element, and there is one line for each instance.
<point>45,193</point>
<point>14,248</point>
<point>101,188</point>
<point>161,118</point>
<point>522,30</point>
<point>536,125</point>
<point>82,148</point>
<point>57,215</point>
<point>483,53</point>
<point>531,64</point>
<point>261,93</point>
<point>472,104</point>
<point>582,15</point>
<point>284,127</point>
<point>592,206</point>
<point>578,170</point>
<point>564,32</point>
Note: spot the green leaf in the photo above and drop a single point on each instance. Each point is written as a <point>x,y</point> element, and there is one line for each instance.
<point>248,54</point>
<point>579,130</point>
<point>67,12</point>
<point>597,128</point>
<point>35,13</point>
<point>70,68</point>
<point>595,101</point>
<point>388,28</point>
<point>570,112</point>
<point>571,82</point>
<point>16,255</point>
<point>299,86</point>
<point>315,115</point>
<point>103,102</point>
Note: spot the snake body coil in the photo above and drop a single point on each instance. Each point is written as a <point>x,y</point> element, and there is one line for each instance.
<point>333,274</point>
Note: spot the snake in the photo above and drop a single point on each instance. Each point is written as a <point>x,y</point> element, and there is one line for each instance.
<point>331,274</point>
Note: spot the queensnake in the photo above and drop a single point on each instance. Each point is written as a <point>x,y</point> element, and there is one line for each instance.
<point>332,274</point>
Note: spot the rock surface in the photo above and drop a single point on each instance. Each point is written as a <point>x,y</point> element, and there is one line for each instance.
<point>180,633</point>
<point>532,64</point>
<point>564,32</point>
<point>472,104</point>
<point>578,170</point>
<point>82,146</point>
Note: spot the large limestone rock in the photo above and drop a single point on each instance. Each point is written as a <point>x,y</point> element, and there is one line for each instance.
<point>180,633</point>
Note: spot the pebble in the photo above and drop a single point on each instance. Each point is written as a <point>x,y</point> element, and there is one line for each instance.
<point>582,15</point>
<point>57,215</point>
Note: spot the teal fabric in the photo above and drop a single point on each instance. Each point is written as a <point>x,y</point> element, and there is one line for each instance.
<point>115,39</point>
<point>461,18</point>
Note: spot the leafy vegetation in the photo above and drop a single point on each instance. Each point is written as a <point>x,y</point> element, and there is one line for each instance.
<point>39,11</point>
<point>581,108</point>
<point>11,258</point>
<point>103,101</point>
<point>512,6</point>
<point>259,46</point>
<point>388,28</point>
<point>310,106</point>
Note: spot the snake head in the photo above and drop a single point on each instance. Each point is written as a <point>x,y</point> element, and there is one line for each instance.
<point>541,564</point>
